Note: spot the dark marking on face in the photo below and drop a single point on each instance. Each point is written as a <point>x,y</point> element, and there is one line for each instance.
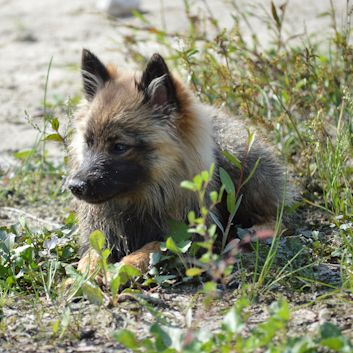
<point>103,176</point>
<point>116,162</point>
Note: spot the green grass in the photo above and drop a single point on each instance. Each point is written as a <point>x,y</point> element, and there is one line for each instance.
<point>301,97</point>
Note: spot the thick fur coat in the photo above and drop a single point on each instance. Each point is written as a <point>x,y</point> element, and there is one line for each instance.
<point>137,137</point>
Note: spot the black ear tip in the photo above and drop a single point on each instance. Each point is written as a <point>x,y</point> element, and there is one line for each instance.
<point>158,59</point>
<point>157,56</point>
<point>94,74</point>
<point>87,54</point>
<point>156,65</point>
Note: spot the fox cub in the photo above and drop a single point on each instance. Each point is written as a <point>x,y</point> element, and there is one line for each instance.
<point>137,136</point>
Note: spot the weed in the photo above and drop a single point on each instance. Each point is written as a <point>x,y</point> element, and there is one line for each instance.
<point>34,260</point>
<point>233,335</point>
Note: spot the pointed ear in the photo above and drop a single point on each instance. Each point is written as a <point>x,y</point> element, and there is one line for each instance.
<point>161,91</point>
<point>94,74</point>
<point>157,83</point>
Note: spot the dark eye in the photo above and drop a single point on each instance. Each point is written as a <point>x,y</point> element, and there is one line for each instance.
<point>120,148</point>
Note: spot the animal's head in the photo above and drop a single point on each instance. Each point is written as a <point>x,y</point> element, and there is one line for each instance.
<point>132,133</point>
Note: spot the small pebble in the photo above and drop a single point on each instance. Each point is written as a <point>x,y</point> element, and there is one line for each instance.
<point>118,7</point>
<point>324,315</point>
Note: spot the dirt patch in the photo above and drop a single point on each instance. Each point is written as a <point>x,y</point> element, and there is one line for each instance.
<point>34,32</point>
<point>30,327</point>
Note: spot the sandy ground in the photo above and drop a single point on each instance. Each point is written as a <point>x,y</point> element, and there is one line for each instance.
<point>32,32</point>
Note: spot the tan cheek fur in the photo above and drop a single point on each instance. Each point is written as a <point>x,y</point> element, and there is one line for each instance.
<point>195,129</point>
<point>169,159</point>
<point>192,149</point>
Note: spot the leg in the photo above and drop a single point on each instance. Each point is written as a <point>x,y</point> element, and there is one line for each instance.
<point>88,261</point>
<point>140,258</point>
<point>259,232</point>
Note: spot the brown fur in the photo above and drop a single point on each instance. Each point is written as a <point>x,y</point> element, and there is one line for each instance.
<point>180,142</point>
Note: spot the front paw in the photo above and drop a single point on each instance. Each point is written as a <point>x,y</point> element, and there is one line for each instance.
<point>141,258</point>
<point>88,262</point>
<point>86,267</point>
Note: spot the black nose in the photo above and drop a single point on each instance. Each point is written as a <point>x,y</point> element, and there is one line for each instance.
<point>78,187</point>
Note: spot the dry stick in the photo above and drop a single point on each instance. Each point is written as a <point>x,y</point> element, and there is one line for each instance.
<point>28,215</point>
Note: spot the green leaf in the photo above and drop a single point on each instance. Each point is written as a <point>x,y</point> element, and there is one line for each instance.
<point>10,281</point>
<point>300,345</point>
<point>191,217</point>
<point>155,258</point>
<point>217,221</point>
<point>55,327</point>
<point>126,338</point>
<point>210,287</point>
<point>170,245</point>
<point>105,254</point>
<point>189,185</point>
<point>191,52</point>
<point>184,245</point>
<point>329,330</point>
<point>164,278</point>
<point>205,176</point>
<point>251,139</point>
<point>123,273</point>
<point>93,293</point>
<point>55,124</point>
<point>231,202</point>
<point>212,230</point>
<point>194,271</point>
<point>176,335</point>
<point>214,196</point>
<point>204,212</point>
<point>226,181</point>
<point>163,340</point>
<point>232,159</point>
<point>97,240</point>
<point>71,219</point>
<point>53,137</point>
<point>283,310</point>
<point>198,182</point>
<point>21,249</point>
<point>211,170</point>
<point>280,310</point>
<point>275,15</point>
<point>24,154</point>
<point>128,272</point>
<point>139,16</point>
<point>115,285</point>
<point>178,231</point>
<point>237,205</point>
<point>233,322</point>
<point>334,343</point>
<point>65,321</point>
